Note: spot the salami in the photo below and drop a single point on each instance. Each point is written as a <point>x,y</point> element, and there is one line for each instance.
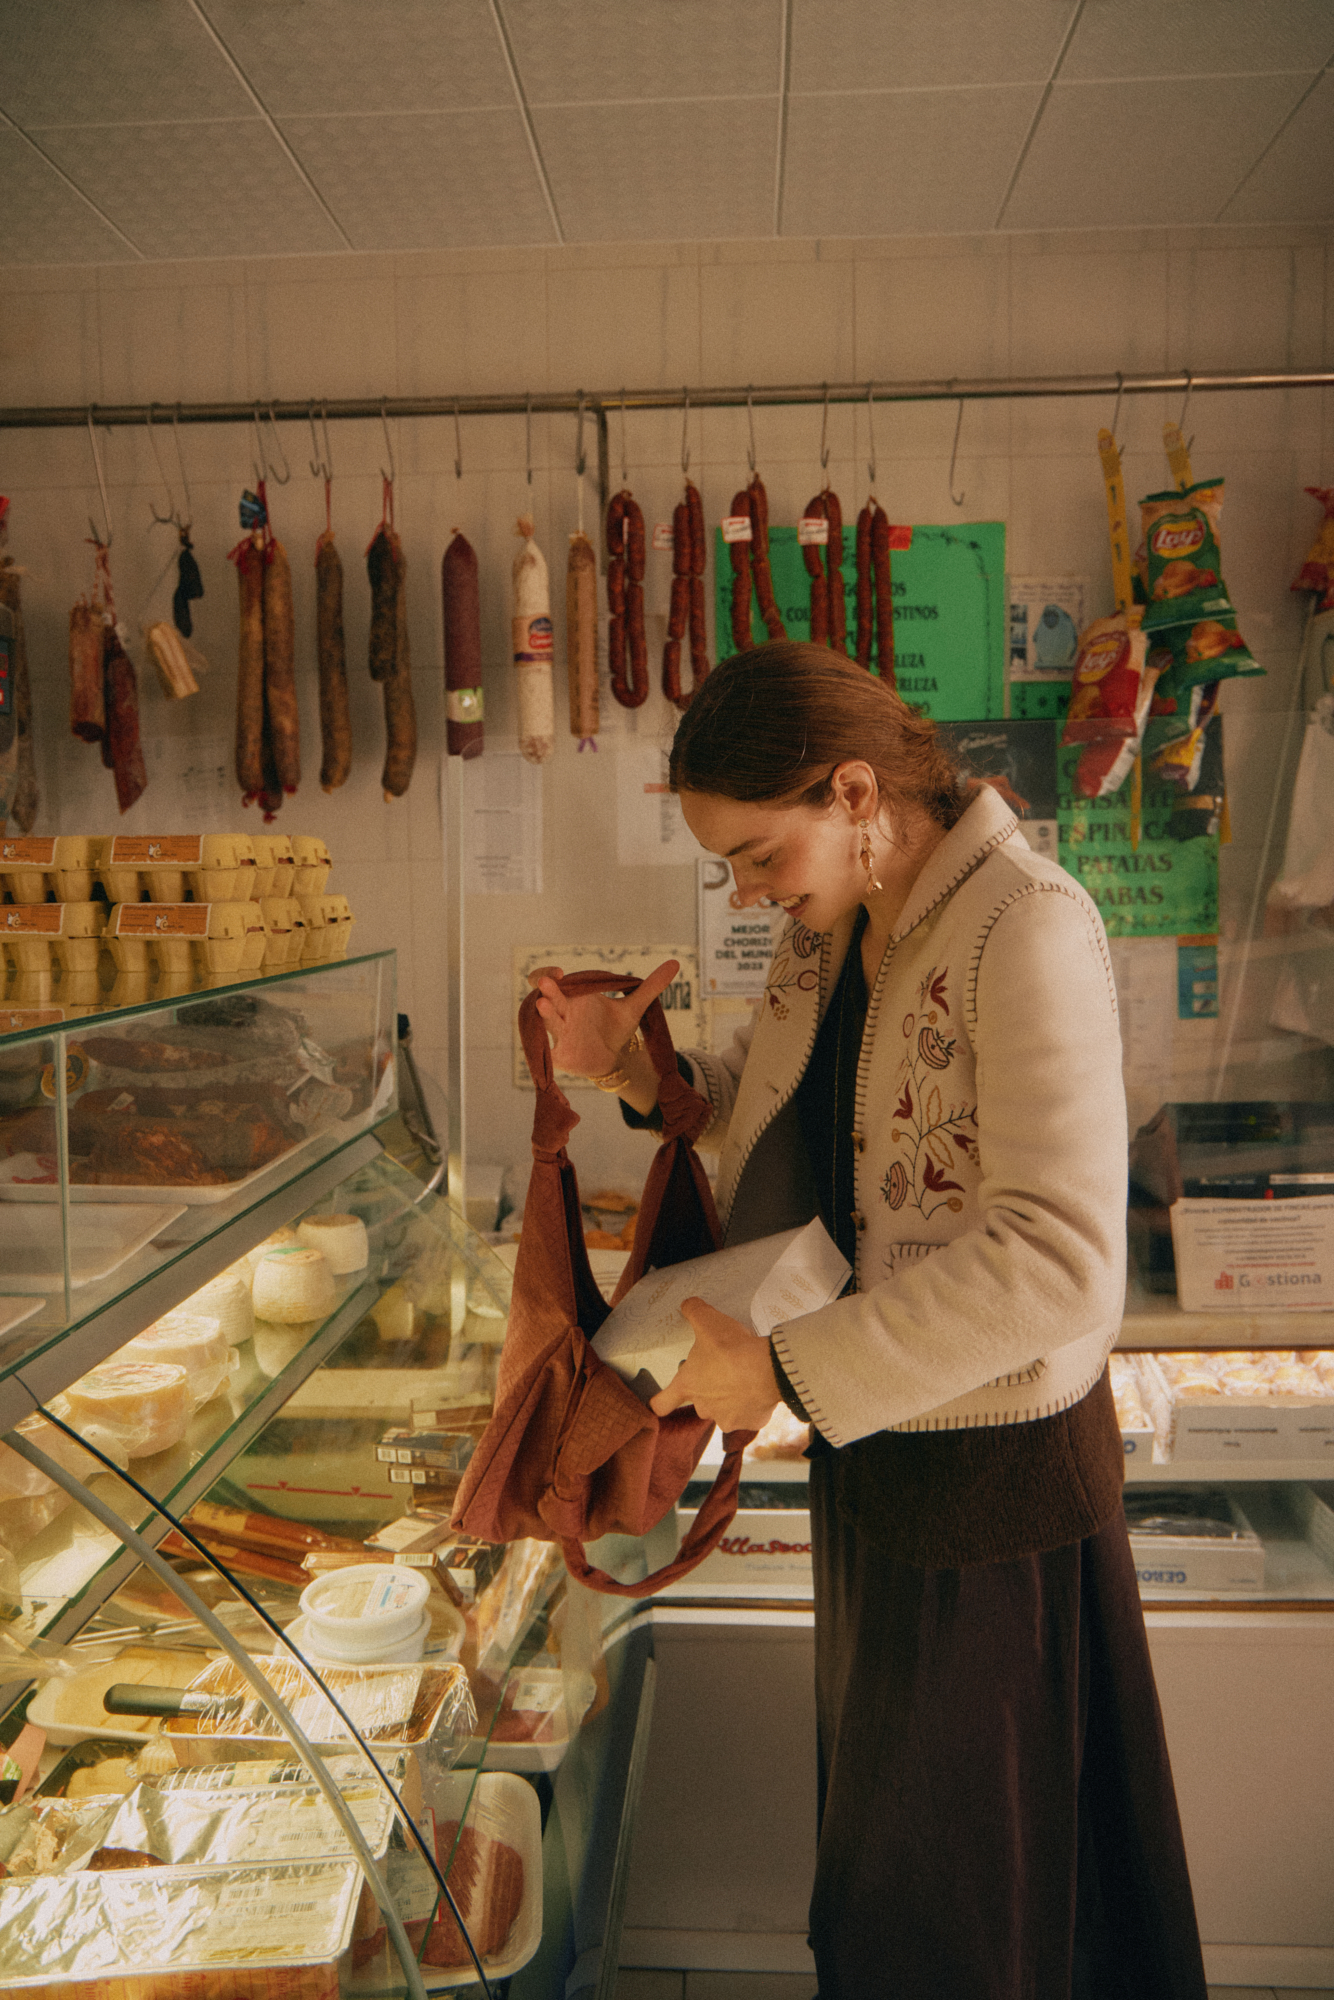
<point>581,638</point>
<point>875,603</point>
<point>384,602</point>
<point>627,643</point>
<point>764,585</point>
<point>532,647</point>
<point>335,719</point>
<point>679,615</point>
<point>400,709</point>
<point>249,559</point>
<point>122,749</point>
<point>741,578</point>
<point>280,704</point>
<point>699,631</point>
<point>87,699</point>
<point>27,796</point>
<point>462,606</point>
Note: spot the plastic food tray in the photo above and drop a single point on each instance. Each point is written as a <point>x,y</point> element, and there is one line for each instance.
<point>101,1239</point>
<point>194,1197</point>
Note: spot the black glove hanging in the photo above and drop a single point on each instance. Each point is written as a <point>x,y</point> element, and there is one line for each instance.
<point>189,583</point>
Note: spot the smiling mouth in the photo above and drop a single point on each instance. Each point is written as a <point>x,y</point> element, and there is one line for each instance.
<point>792,903</point>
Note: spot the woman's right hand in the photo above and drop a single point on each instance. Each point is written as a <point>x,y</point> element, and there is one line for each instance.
<point>590,1031</point>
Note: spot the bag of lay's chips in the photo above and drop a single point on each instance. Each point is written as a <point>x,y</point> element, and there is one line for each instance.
<point>1109,701</point>
<point>1189,617</point>
<point>1178,760</point>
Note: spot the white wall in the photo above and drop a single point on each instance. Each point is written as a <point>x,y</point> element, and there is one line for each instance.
<point>472,321</point>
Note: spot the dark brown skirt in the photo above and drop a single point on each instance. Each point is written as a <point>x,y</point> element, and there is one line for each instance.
<point>997,1816</point>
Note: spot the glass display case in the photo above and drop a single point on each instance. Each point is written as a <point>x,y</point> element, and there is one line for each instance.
<point>323,1433</point>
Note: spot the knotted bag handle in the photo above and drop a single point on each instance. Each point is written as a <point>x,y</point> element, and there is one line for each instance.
<point>686,1113</point>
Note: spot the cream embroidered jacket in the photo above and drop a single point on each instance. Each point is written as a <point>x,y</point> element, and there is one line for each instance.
<point>989,1146</point>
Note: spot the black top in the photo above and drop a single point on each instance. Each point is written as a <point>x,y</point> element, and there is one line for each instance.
<point>826,1095</point>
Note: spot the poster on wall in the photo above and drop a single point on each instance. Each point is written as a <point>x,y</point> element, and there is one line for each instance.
<point>735,944</point>
<point>680,1001</point>
<point>1046,618</point>
<point>1019,760</point>
<point>950,614</point>
<point>1165,887</point>
<point>650,831</point>
<point>502,803</point>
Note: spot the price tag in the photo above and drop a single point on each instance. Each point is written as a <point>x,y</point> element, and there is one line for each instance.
<point>663,536</point>
<point>182,920</point>
<point>33,920</point>
<point>133,850</point>
<point>14,1018</point>
<point>31,853</point>
<point>812,531</point>
<point>738,528</point>
<point>899,537</point>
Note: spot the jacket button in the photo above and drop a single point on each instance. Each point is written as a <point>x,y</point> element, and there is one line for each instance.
<point>859,1141</point>
<point>859,1220</point>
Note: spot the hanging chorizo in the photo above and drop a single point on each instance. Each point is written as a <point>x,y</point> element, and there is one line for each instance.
<point>280,703</point>
<point>249,559</point>
<point>627,642</point>
<point>699,630</point>
<point>812,556</point>
<point>741,577</point>
<point>764,583</point>
<point>400,708</point>
<point>461,604</point>
<point>679,614</point>
<point>331,654</point>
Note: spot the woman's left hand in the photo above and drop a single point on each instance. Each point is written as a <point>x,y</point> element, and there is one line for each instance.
<point>727,1376</point>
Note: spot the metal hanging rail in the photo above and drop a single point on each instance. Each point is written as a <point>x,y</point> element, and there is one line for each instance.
<point>73,416</point>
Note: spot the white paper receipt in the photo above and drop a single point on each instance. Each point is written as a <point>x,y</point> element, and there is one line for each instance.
<point>777,1278</point>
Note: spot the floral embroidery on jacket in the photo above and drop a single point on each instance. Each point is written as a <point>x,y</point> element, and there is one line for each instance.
<point>937,1136</point>
<point>784,977</point>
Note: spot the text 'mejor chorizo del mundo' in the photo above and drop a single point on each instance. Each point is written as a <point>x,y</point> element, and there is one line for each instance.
<point>533,647</point>
<point>627,643</point>
<point>331,654</point>
<point>461,602</point>
<point>581,638</point>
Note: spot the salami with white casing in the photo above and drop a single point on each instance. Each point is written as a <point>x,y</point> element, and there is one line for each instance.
<point>532,648</point>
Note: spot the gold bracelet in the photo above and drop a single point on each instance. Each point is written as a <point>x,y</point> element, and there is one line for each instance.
<point>616,1079</point>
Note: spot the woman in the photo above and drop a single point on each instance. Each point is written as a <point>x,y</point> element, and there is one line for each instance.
<point>935,1070</point>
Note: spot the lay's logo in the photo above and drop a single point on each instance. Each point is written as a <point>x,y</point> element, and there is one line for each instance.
<point>1104,654</point>
<point>1177,538</point>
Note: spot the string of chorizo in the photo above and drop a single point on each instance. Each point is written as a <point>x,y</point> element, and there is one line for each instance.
<point>331,654</point>
<point>741,577</point>
<point>627,645</point>
<point>829,617</point>
<point>875,604</point>
<point>758,509</point>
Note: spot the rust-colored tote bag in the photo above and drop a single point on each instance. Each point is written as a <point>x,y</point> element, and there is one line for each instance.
<point>571,1453</point>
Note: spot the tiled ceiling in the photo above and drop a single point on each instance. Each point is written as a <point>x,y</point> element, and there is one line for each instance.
<point>212,128</point>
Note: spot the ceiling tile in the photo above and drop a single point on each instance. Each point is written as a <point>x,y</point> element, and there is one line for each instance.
<point>897,163</point>
<point>1294,182</point>
<point>907,44</point>
<point>605,50</point>
<point>224,189</point>
<point>416,55</point>
<point>45,222</point>
<point>1136,38</point>
<point>426,182</point>
<point>627,172</point>
<point>84,60</point>
<point>1122,155</point>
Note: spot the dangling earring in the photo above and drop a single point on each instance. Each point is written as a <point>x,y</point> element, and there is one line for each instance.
<point>872,879</point>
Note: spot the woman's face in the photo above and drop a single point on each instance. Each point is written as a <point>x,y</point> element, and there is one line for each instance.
<point>804,858</point>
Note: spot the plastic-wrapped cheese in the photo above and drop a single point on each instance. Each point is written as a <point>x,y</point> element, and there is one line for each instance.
<point>342,1238</point>
<point>227,1300</point>
<point>145,1405</point>
<point>280,1239</point>
<point>194,1343</point>
<point>292,1285</point>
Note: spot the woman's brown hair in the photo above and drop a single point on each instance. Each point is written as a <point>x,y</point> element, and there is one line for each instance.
<point>774,722</point>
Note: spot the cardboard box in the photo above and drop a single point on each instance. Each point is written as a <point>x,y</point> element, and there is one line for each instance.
<point>1234,1560</point>
<point>765,1552</point>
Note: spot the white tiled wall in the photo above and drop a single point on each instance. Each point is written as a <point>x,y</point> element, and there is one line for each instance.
<point>645,314</point>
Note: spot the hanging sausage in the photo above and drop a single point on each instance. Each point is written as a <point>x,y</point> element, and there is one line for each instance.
<point>104,690</point>
<point>824,566</point>
<point>687,604</point>
<point>268,724</point>
<point>331,654</point>
<point>627,644</point>
<point>389,657</point>
<point>875,603</point>
<point>581,639</point>
<point>532,647</point>
<point>461,601</point>
<point>26,796</point>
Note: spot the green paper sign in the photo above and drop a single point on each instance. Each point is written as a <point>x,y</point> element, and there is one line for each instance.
<point>1166,888</point>
<point>949,612</point>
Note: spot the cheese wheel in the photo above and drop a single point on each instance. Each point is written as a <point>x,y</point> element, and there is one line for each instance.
<point>146,1405</point>
<point>342,1238</point>
<point>227,1300</point>
<point>280,1239</point>
<point>293,1284</point>
<point>194,1343</point>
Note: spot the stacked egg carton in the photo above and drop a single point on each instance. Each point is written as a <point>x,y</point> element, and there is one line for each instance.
<point>225,905</point>
<point>1267,1404</point>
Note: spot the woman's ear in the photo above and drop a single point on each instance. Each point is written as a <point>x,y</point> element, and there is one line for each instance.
<point>856,791</point>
